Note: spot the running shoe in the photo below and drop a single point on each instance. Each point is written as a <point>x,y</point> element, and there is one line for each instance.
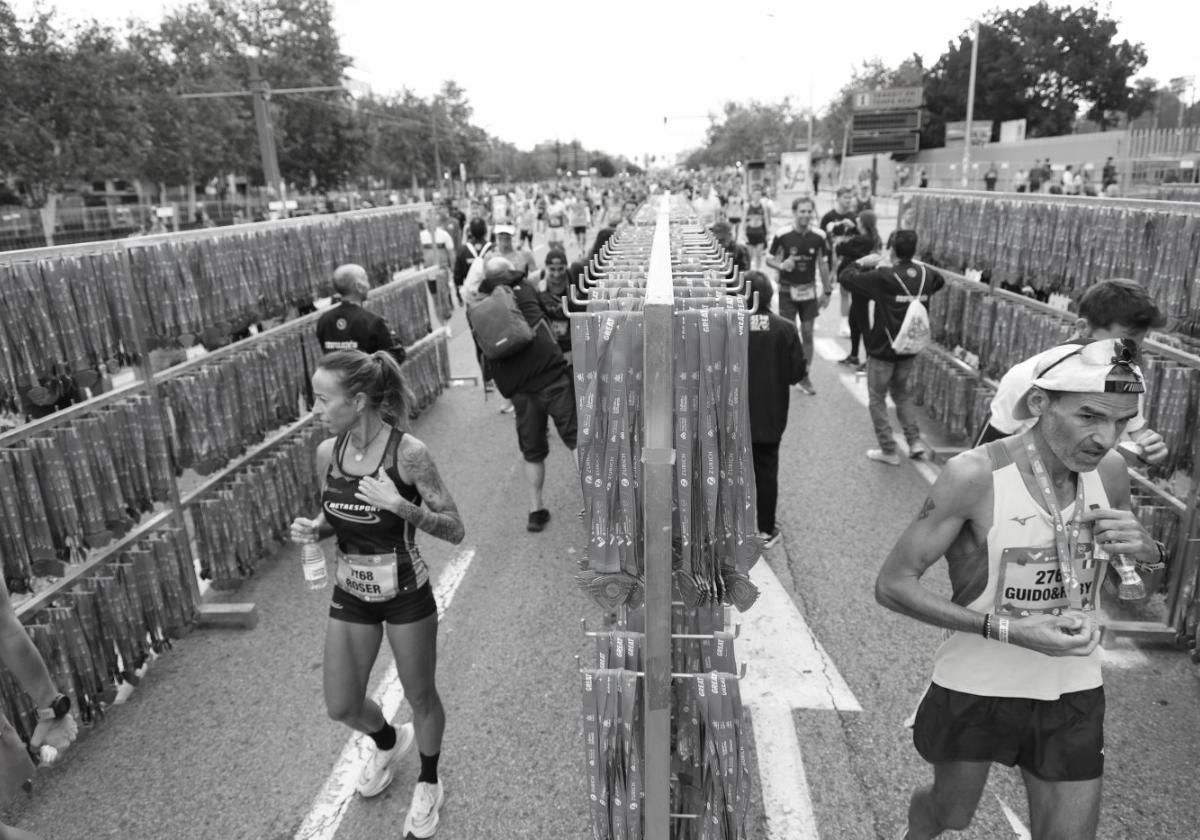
<point>852,361</point>
<point>807,387</point>
<point>422,818</point>
<point>537,520</point>
<point>918,450</point>
<point>770,540</point>
<point>884,457</point>
<point>377,774</point>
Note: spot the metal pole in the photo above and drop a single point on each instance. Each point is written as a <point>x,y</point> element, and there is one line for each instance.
<point>437,153</point>
<point>966,159</point>
<point>266,132</point>
<point>659,458</point>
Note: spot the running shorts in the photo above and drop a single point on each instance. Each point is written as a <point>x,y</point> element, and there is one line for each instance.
<point>405,608</point>
<point>579,230</point>
<point>807,310</point>
<point>756,236</point>
<point>532,410</point>
<point>1056,740</point>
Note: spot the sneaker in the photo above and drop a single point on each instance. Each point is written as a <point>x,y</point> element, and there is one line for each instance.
<point>538,520</point>
<point>884,457</point>
<point>852,361</point>
<point>918,449</point>
<point>861,369</point>
<point>422,818</point>
<point>807,387</point>
<point>377,774</point>
<point>770,540</point>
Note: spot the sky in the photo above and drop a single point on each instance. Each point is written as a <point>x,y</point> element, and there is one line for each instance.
<point>607,73</point>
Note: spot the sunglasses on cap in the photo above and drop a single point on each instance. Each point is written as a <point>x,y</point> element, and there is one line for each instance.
<point>1116,352</point>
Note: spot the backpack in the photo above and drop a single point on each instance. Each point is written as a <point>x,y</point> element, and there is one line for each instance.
<point>914,334</point>
<point>499,327</point>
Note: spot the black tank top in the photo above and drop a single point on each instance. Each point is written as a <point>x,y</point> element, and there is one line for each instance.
<point>362,528</point>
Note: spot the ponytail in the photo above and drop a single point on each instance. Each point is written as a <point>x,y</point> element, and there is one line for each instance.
<point>376,376</point>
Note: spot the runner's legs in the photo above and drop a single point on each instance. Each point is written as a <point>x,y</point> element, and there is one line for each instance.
<point>415,649</point>
<point>1063,810</point>
<point>350,651</point>
<point>950,802</point>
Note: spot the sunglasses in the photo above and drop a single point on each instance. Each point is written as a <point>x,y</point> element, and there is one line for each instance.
<point>1114,352</point>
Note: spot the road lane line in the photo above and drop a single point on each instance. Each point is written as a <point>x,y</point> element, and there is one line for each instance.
<point>787,801</point>
<point>332,802</point>
<point>789,669</point>
<point>1018,827</point>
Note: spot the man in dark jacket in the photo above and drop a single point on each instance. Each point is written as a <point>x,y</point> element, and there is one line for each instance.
<point>723,232</point>
<point>892,285</point>
<point>348,326</point>
<point>776,362</point>
<point>537,380</point>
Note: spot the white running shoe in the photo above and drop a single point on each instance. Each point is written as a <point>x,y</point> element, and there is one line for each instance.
<point>376,775</point>
<point>884,457</point>
<point>422,818</point>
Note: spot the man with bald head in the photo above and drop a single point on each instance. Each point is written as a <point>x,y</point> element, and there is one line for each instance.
<point>348,326</point>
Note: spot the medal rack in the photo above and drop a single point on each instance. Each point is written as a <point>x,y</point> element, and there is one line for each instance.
<point>991,329</point>
<point>92,500</point>
<point>668,493</point>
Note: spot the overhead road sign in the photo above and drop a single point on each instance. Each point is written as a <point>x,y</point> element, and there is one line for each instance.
<point>883,121</point>
<point>889,99</point>
<point>906,142</point>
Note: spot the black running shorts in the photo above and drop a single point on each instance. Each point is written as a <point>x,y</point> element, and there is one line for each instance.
<point>807,310</point>
<point>579,230</point>
<point>1056,740</point>
<point>405,608</point>
<point>756,236</point>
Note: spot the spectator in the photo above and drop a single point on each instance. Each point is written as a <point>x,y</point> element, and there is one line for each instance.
<point>475,247</point>
<point>348,326</point>
<point>1108,175</point>
<point>990,177</point>
<point>923,181</point>
<point>776,362</point>
<point>521,258</point>
<point>553,286</point>
<point>865,241</point>
<point>537,380</point>
<point>1022,180</point>
<point>611,223</point>
<point>891,287</point>
<point>1035,177</point>
<point>723,232</point>
<point>629,211</point>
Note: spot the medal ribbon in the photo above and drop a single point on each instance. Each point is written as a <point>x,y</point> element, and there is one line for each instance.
<point>1064,540</point>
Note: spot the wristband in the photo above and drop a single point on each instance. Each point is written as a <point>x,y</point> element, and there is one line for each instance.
<point>987,626</point>
<point>1003,626</point>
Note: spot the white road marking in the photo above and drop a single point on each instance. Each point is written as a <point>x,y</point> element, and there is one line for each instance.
<point>788,670</point>
<point>787,663</point>
<point>1018,827</point>
<point>332,802</point>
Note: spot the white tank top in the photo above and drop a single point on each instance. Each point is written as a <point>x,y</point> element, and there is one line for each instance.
<point>1019,576</point>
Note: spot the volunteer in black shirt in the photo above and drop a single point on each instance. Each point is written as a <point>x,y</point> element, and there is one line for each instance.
<point>799,256</point>
<point>723,231</point>
<point>776,361</point>
<point>348,326</point>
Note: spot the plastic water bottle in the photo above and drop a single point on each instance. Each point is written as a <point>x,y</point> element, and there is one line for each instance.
<point>313,560</point>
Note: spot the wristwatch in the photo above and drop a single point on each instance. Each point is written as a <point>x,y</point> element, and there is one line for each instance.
<point>57,710</point>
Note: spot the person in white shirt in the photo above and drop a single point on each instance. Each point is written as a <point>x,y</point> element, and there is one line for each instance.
<point>1108,309</point>
<point>580,216</point>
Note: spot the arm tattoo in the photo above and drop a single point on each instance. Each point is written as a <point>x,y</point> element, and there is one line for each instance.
<point>440,516</point>
<point>926,508</point>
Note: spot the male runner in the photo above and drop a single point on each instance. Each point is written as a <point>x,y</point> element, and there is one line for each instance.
<point>799,255</point>
<point>758,223</point>
<point>1107,309</point>
<point>1023,523</point>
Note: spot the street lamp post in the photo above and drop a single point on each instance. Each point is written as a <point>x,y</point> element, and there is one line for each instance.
<point>966,159</point>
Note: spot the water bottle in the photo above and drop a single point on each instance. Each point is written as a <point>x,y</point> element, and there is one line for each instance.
<point>313,560</point>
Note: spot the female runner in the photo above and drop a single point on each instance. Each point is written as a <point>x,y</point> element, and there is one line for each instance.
<point>375,477</point>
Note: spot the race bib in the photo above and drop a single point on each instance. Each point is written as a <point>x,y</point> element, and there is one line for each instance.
<point>370,577</point>
<point>801,293</point>
<point>1031,582</point>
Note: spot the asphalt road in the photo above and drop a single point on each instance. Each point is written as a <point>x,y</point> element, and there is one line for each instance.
<point>227,737</point>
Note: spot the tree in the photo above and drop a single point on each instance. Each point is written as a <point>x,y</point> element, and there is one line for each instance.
<point>747,131</point>
<point>1041,63</point>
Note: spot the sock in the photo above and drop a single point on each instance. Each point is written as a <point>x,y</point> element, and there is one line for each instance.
<point>385,738</point>
<point>429,768</point>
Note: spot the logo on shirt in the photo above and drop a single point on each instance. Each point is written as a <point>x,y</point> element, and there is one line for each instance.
<point>1021,520</point>
<point>912,272</point>
<point>361,514</point>
<point>341,324</point>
